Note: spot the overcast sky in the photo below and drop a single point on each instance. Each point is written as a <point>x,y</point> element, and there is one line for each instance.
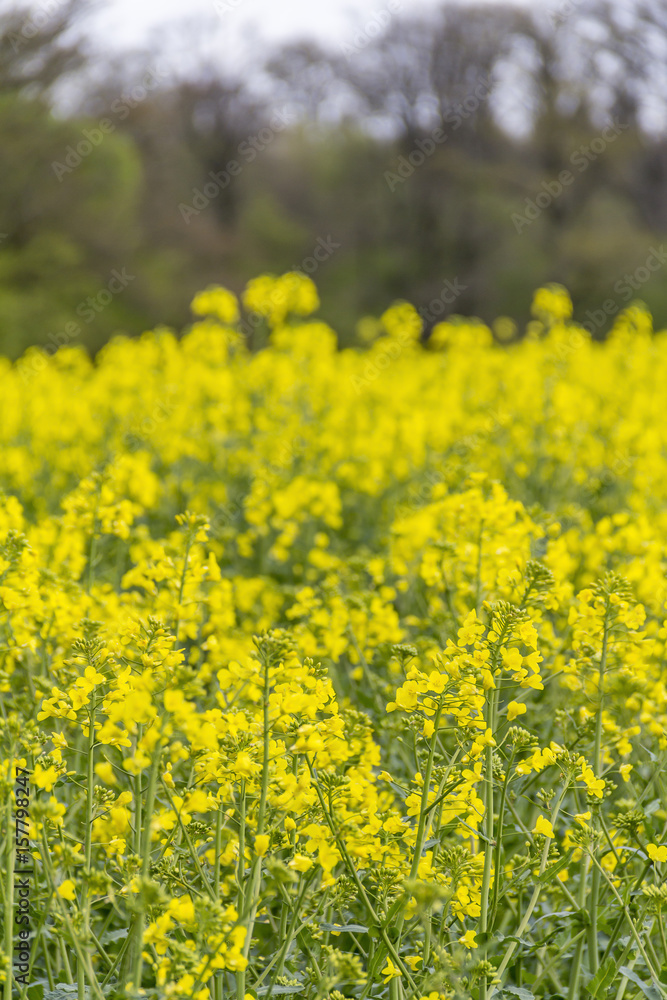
<point>233,27</point>
<point>134,21</point>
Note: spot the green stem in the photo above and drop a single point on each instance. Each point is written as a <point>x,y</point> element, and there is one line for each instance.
<point>91,556</point>
<point>428,929</point>
<point>616,930</point>
<point>83,958</point>
<point>9,854</point>
<point>191,847</point>
<point>217,976</point>
<point>181,588</point>
<point>138,803</point>
<point>555,958</point>
<point>633,929</point>
<point>478,583</point>
<point>623,985</point>
<point>597,768</point>
<point>499,838</point>
<point>240,877</point>
<point>663,940</point>
<point>532,903</point>
<point>488,829</point>
<point>623,959</point>
<point>292,931</point>
<point>375,920</point>
<point>88,840</point>
<point>65,962</point>
<point>425,810</point>
<point>218,852</point>
<point>117,960</point>
<point>252,900</point>
<point>145,869</point>
<point>575,970</point>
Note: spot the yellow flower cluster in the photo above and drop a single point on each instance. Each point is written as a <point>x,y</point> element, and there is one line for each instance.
<point>269,619</point>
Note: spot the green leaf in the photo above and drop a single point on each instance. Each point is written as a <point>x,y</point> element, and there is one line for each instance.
<point>602,978</point>
<point>649,991</point>
<point>519,991</point>
<point>35,992</point>
<point>118,935</point>
<point>65,991</point>
<point>278,990</point>
<point>512,937</point>
<point>396,906</point>
<point>555,869</point>
<point>342,928</point>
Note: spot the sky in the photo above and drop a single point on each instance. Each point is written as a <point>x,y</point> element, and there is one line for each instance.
<point>233,28</point>
<point>134,21</point>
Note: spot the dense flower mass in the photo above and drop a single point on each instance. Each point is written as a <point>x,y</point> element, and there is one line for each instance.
<point>339,673</point>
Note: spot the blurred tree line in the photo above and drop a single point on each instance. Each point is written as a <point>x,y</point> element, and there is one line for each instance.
<point>457,160</point>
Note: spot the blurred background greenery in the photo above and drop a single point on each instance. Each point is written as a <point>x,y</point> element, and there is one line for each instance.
<point>426,159</point>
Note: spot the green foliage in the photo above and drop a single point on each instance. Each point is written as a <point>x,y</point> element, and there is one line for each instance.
<point>345,165</point>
